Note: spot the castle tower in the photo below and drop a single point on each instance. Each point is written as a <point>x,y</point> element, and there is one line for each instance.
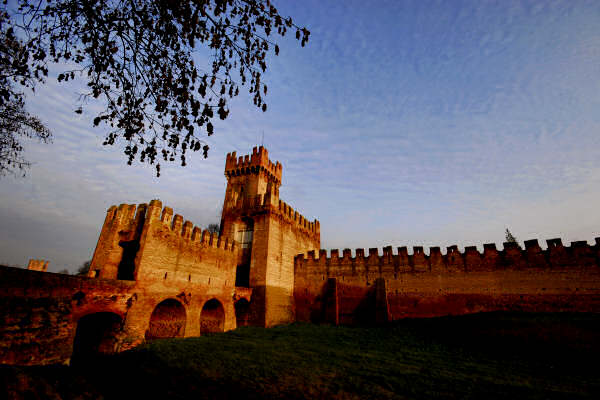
<point>250,179</point>
<point>269,233</point>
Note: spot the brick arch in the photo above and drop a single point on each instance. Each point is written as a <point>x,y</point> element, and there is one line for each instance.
<point>84,304</point>
<point>212,316</point>
<point>167,320</point>
<point>88,309</point>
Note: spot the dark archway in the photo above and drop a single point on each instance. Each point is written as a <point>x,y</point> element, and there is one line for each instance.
<point>96,334</point>
<point>212,317</point>
<point>167,320</point>
<point>242,312</point>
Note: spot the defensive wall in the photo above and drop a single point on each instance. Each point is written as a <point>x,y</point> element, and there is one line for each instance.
<point>280,233</point>
<point>149,243</point>
<point>152,276</point>
<point>344,289</point>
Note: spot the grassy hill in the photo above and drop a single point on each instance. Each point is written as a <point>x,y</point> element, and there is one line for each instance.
<point>489,356</point>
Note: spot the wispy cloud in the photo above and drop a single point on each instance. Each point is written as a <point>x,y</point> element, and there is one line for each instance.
<point>403,123</point>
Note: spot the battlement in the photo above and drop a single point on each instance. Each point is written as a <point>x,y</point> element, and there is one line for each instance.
<point>291,215</point>
<point>131,217</point>
<point>263,202</point>
<point>512,256</point>
<point>132,232</point>
<point>255,163</point>
<point>185,229</point>
<point>125,219</point>
<point>38,265</point>
<point>246,204</point>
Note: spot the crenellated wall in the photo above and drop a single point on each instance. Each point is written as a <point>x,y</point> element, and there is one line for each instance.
<point>152,275</point>
<point>40,311</point>
<point>418,284</point>
<point>261,203</point>
<point>173,249</point>
<point>279,234</point>
<point>123,224</point>
<point>310,228</point>
<point>149,242</point>
<point>259,160</point>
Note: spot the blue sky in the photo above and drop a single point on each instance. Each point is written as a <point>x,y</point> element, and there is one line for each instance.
<point>401,123</point>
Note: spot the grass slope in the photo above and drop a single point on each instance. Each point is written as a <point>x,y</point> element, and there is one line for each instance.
<point>495,355</point>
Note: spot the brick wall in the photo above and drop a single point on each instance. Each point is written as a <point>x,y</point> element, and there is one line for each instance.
<point>559,278</point>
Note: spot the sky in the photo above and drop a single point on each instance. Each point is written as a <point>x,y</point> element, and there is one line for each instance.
<point>403,123</point>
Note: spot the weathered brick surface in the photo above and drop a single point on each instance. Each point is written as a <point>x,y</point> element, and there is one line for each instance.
<point>40,311</point>
<point>418,285</point>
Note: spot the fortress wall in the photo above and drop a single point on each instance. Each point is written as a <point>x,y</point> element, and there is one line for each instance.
<point>560,278</point>
<point>278,236</point>
<point>269,202</point>
<point>122,224</point>
<point>174,250</point>
<point>310,229</point>
<point>39,312</point>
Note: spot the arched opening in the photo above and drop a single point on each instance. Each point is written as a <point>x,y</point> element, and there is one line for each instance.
<point>242,312</point>
<point>96,334</point>
<point>167,320</point>
<point>212,317</point>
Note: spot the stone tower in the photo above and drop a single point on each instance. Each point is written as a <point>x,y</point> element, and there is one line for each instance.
<point>269,232</point>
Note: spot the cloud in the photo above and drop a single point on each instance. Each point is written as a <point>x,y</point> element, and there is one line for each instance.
<point>403,123</point>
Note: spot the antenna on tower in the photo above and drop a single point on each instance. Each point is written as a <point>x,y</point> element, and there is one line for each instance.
<point>262,141</point>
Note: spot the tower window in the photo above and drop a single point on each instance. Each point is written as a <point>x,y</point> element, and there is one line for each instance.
<point>244,238</point>
<point>244,234</point>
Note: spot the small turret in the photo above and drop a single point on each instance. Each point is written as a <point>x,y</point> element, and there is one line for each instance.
<point>38,265</point>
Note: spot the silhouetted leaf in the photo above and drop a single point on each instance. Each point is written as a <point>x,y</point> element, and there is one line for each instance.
<point>151,87</point>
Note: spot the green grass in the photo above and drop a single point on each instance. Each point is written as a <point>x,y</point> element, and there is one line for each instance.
<point>488,356</point>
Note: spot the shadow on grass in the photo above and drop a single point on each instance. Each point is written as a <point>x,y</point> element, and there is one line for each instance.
<point>492,356</point>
